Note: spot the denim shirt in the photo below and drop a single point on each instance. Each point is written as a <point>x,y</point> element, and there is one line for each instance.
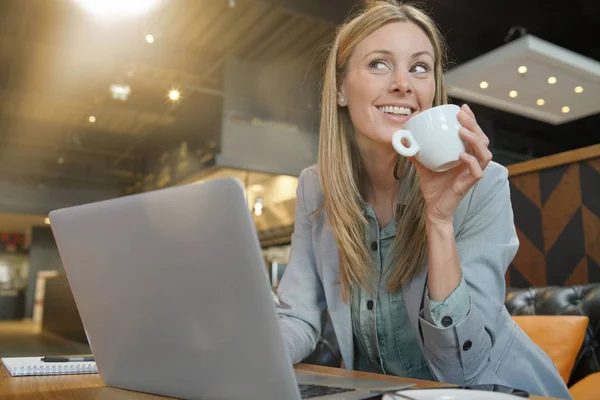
<point>384,338</point>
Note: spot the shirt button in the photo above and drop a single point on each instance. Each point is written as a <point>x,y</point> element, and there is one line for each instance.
<point>467,345</point>
<point>370,304</point>
<point>374,246</point>
<point>447,321</point>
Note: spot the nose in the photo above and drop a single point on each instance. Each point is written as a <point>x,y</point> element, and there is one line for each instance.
<point>401,83</point>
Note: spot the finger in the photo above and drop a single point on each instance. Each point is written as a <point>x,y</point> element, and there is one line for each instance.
<point>418,166</point>
<point>472,162</point>
<point>476,147</point>
<point>465,107</point>
<point>467,120</point>
<point>466,180</point>
<point>462,184</point>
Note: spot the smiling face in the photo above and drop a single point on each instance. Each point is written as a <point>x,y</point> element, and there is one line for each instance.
<point>390,77</point>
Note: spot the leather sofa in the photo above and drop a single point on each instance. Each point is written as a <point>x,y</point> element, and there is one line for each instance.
<point>552,300</point>
<point>573,300</point>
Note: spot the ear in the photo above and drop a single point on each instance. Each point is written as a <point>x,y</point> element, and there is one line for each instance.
<point>342,100</point>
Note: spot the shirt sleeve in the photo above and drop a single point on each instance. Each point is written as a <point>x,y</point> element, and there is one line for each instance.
<point>454,308</point>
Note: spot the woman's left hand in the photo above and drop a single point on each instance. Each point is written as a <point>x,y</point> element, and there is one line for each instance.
<point>443,191</point>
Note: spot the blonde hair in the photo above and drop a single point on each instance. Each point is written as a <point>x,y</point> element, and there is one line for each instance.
<point>340,167</point>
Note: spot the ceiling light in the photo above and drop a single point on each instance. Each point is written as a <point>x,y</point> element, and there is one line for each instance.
<point>258,206</point>
<point>565,109</point>
<point>513,93</point>
<point>114,9</point>
<point>552,80</point>
<point>232,3</point>
<point>61,160</point>
<point>149,38</point>
<point>174,95</point>
<point>463,81</point>
<point>540,102</point>
<point>92,119</point>
<point>484,85</point>
<point>522,69</point>
<point>578,89</point>
<point>47,221</point>
<point>120,92</point>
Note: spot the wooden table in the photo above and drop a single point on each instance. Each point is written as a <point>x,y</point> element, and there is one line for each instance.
<point>91,387</point>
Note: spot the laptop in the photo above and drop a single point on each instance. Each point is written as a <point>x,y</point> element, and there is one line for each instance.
<point>174,296</point>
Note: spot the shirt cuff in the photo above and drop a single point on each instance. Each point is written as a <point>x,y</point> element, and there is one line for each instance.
<point>444,314</point>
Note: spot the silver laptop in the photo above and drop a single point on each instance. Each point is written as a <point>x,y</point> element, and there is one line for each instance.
<point>173,293</point>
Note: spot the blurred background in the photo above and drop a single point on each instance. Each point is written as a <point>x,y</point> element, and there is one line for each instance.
<point>102,98</point>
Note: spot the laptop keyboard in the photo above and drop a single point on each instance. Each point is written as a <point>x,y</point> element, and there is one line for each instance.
<point>308,391</point>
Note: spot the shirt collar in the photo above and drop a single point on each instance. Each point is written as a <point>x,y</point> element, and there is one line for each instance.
<point>367,210</point>
<point>385,232</point>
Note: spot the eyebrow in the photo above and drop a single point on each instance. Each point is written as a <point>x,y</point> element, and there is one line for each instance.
<point>421,53</point>
<point>389,53</point>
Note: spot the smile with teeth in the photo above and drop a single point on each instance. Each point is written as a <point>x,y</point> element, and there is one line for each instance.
<point>395,110</point>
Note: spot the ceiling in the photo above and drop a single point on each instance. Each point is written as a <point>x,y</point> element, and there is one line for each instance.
<point>530,77</point>
<point>57,64</point>
<point>473,28</point>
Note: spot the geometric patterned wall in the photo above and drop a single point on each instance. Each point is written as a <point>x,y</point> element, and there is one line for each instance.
<point>557,216</point>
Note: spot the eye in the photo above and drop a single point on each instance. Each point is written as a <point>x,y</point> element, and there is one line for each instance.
<point>378,64</point>
<point>420,68</point>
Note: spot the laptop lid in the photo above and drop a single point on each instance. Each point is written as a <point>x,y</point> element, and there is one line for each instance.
<point>173,293</point>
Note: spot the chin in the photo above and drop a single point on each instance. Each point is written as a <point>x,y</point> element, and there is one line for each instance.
<point>386,138</point>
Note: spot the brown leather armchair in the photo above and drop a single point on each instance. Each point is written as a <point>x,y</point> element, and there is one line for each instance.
<point>583,300</point>
<point>561,336</point>
<point>587,389</point>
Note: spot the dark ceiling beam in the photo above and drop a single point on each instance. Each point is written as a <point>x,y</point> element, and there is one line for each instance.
<point>39,157</point>
<point>89,100</point>
<point>24,24</point>
<point>168,60</point>
<point>163,58</point>
<point>138,114</point>
<point>331,12</point>
<point>46,172</point>
<point>139,139</point>
<point>240,41</point>
<point>307,48</point>
<point>295,35</point>
<point>220,12</point>
<point>315,54</point>
<point>204,90</point>
<point>9,153</point>
<point>48,135</point>
<point>281,30</point>
<point>63,149</point>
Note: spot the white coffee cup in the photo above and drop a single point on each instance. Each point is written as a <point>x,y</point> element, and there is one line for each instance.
<point>432,137</point>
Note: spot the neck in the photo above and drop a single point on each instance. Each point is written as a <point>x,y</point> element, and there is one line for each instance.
<point>378,162</point>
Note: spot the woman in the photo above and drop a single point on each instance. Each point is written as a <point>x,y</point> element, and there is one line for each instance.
<point>409,263</point>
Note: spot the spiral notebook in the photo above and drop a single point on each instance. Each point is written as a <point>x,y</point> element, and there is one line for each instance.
<point>27,366</point>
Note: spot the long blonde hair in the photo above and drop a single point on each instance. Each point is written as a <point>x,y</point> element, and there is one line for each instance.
<point>340,167</point>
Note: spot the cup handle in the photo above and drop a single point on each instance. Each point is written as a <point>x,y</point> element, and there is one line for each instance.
<point>400,148</point>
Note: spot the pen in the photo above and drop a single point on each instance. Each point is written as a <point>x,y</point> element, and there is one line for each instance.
<point>67,359</point>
